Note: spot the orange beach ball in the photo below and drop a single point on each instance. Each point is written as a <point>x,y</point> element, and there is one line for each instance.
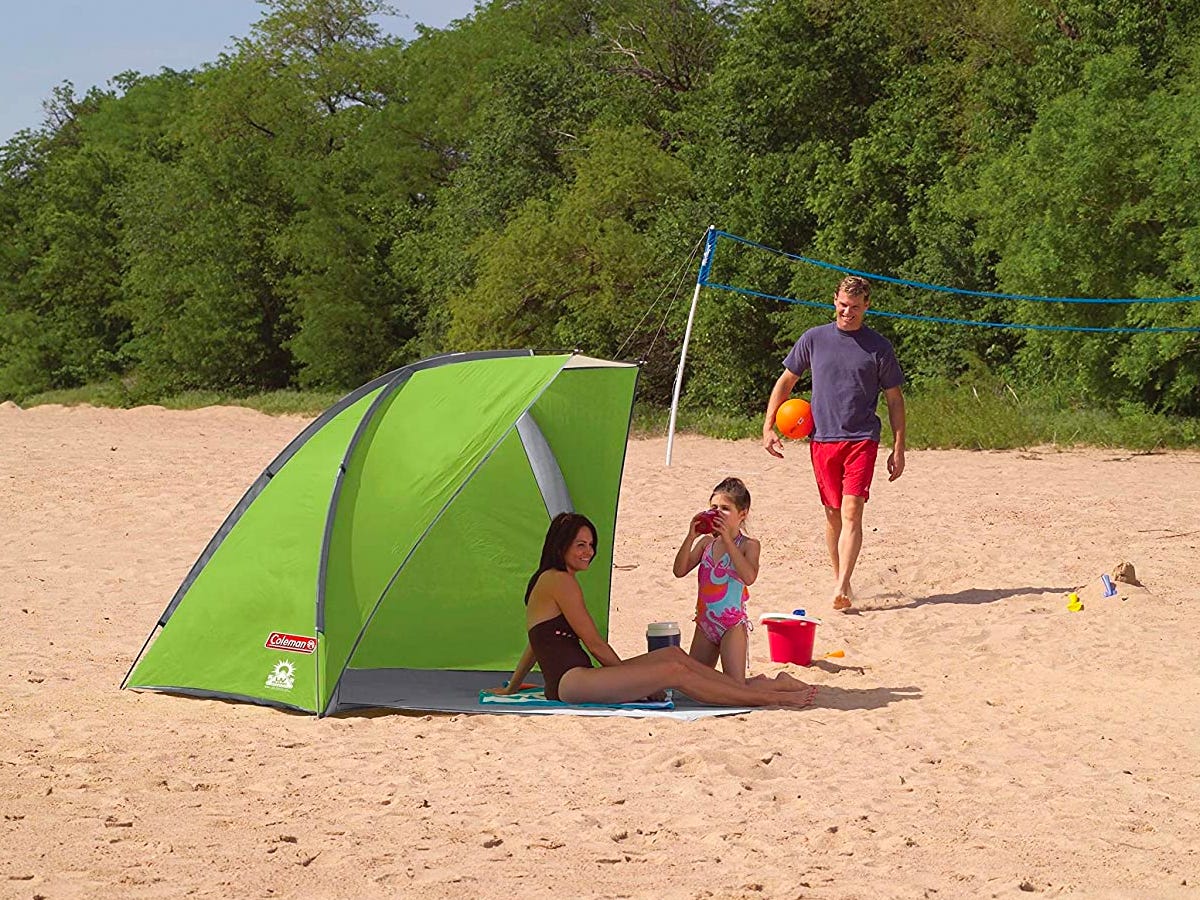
<point>794,419</point>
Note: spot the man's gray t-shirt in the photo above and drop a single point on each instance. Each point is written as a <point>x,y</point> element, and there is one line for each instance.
<point>849,369</point>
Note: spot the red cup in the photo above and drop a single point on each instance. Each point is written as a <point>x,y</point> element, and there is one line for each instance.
<point>707,518</point>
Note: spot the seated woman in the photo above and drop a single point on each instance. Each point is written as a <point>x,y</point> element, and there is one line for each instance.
<point>560,627</point>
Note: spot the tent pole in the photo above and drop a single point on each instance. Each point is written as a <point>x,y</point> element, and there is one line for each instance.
<point>153,632</point>
<point>709,245</point>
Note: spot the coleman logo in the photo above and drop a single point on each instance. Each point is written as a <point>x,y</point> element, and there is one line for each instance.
<point>296,643</point>
<point>283,676</point>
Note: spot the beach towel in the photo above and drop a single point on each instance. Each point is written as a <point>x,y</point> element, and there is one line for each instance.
<point>535,696</point>
<point>532,701</point>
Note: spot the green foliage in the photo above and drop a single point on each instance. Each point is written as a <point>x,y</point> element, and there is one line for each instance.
<point>563,272</point>
<point>99,393</point>
<point>118,394</point>
<point>986,414</point>
<point>60,272</point>
<point>1084,205</point>
<point>322,203</point>
<point>198,289</point>
<point>978,412</point>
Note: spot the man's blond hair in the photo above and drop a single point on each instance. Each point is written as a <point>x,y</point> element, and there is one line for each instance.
<point>855,286</point>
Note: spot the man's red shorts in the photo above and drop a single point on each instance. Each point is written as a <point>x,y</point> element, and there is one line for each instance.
<point>843,467</point>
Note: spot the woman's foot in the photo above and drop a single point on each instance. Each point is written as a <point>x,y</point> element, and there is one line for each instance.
<point>843,602</point>
<point>797,699</point>
<point>787,690</point>
<point>785,682</point>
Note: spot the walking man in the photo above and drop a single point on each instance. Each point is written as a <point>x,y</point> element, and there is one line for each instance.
<point>851,364</point>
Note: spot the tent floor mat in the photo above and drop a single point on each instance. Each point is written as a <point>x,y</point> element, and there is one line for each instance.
<point>455,691</point>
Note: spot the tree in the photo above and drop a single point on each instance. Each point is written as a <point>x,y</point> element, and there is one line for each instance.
<point>577,270</point>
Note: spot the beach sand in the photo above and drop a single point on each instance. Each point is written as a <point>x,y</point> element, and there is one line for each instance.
<point>976,740</point>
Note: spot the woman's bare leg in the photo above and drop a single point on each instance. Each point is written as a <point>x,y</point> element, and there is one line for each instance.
<point>761,683</point>
<point>670,668</point>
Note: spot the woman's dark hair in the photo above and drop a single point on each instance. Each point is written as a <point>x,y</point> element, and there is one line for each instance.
<point>559,536</point>
<point>735,490</point>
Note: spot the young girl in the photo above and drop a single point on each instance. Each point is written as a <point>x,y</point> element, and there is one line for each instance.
<point>728,562</point>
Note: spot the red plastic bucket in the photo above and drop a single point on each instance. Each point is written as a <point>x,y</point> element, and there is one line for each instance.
<point>790,638</point>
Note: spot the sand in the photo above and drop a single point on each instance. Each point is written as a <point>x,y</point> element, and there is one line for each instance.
<point>976,740</point>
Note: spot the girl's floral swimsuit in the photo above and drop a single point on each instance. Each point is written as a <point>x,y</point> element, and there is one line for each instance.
<point>721,604</point>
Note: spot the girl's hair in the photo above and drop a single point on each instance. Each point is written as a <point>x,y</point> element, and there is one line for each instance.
<point>736,490</point>
<point>561,533</point>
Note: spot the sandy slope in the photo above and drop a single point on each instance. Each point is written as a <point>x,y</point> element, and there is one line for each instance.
<point>977,739</point>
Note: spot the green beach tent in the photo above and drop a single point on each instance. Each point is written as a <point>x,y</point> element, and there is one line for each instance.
<point>381,559</point>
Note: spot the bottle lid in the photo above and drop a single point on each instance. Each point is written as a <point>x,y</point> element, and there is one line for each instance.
<point>659,629</point>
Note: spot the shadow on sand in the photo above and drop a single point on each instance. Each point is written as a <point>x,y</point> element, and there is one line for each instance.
<point>970,595</point>
<point>833,668</point>
<point>833,697</point>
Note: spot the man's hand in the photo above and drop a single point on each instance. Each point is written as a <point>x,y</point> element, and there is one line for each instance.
<point>782,390</point>
<point>773,444</point>
<point>895,405</point>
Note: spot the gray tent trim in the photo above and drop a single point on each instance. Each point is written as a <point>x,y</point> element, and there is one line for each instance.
<point>546,471</point>
<point>202,694</point>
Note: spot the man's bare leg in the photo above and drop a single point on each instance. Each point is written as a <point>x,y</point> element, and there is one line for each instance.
<point>833,535</point>
<point>848,546</point>
<point>833,531</point>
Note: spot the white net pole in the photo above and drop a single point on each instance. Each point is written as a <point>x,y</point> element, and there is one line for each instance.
<point>709,244</point>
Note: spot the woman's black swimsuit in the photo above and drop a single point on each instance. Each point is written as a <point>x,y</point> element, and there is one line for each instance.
<point>557,649</point>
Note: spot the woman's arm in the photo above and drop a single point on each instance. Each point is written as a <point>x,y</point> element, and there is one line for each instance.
<point>519,673</point>
<point>690,551</point>
<point>569,597</point>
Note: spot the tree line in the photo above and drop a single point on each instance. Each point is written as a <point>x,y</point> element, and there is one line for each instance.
<point>324,202</point>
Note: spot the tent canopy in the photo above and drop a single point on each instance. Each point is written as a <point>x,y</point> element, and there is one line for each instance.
<point>393,537</point>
